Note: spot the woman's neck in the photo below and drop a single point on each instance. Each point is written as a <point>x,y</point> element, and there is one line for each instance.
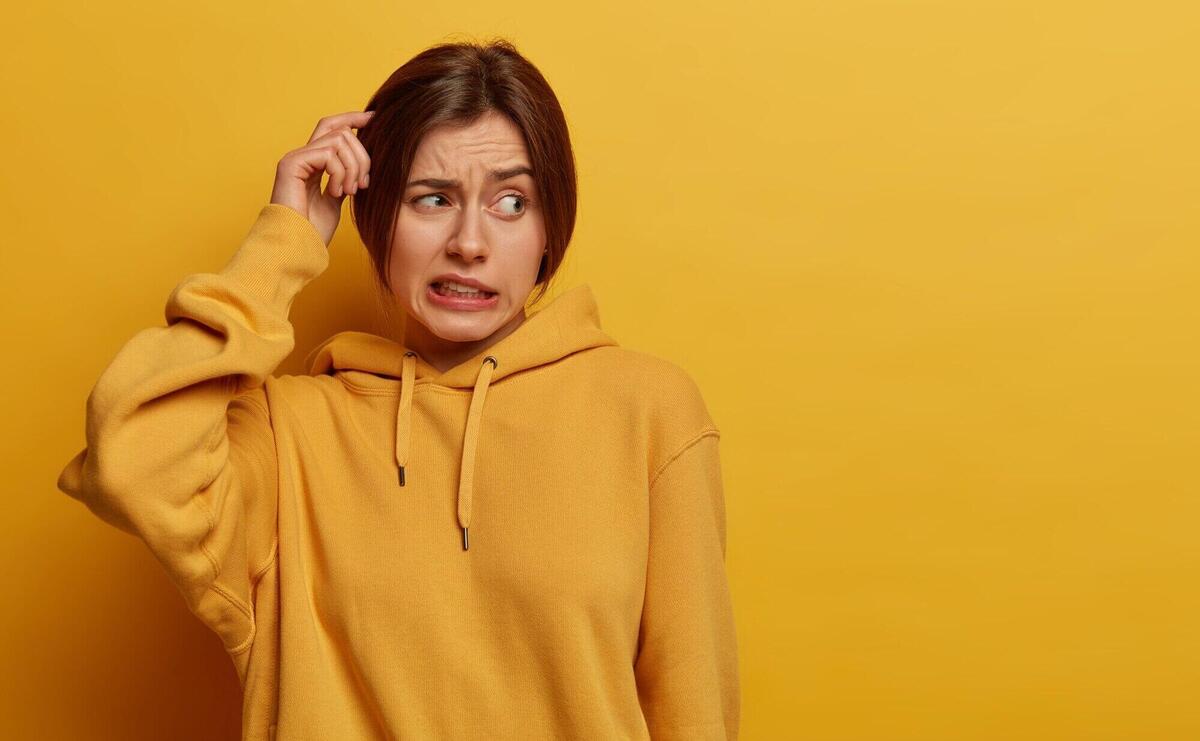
<point>445,354</point>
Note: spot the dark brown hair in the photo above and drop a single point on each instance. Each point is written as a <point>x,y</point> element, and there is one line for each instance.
<point>456,84</point>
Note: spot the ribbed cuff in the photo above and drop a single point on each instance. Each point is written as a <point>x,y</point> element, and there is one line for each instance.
<point>282,252</point>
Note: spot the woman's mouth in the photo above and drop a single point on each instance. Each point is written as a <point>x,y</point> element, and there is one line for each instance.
<point>452,296</point>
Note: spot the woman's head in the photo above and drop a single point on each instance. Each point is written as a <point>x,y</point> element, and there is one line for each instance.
<point>445,123</point>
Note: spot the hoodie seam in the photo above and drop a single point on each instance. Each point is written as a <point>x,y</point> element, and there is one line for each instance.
<point>707,432</point>
<point>433,388</point>
<point>456,390</point>
<point>215,587</point>
<point>255,402</point>
<point>366,390</point>
<point>256,574</point>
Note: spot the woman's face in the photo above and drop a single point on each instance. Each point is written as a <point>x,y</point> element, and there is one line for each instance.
<point>458,217</point>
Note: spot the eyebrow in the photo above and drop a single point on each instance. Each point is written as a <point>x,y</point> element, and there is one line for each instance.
<point>511,172</point>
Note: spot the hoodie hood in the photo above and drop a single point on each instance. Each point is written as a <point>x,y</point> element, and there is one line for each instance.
<point>568,324</point>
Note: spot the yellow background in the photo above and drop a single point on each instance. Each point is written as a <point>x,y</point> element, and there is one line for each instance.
<point>933,264</point>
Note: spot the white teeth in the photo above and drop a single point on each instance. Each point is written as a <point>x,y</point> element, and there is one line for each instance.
<point>460,289</point>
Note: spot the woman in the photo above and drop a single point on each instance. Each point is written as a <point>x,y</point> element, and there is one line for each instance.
<point>502,525</point>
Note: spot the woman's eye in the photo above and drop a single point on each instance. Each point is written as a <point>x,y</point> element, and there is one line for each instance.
<point>418,199</point>
<point>521,203</point>
<point>517,203</point>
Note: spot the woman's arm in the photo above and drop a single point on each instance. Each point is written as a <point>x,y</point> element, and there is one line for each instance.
<point>686,667</point>
<point>180,449</point>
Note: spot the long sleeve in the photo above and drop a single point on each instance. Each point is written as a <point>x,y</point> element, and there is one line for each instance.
<point>180,450</point>
<point>686,667</point>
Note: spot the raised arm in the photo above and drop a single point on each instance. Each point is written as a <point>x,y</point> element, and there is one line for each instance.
<point>180,446</point>
<point>180,449</point>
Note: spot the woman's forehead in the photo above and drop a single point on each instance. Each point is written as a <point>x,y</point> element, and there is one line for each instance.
<point>490,143</point>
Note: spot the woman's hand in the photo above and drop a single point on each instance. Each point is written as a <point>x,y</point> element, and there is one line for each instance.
<point>333,148</point>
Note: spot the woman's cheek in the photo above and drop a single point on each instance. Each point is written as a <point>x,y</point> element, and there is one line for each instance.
<point>424,231</point>
<point>529,240</point>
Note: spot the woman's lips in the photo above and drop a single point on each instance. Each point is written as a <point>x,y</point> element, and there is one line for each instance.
<point>461,303</point>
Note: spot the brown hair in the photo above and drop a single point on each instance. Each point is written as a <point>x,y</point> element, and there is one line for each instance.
<point>456,84</point>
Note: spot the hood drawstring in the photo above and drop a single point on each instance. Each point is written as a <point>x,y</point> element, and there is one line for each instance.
<point>474,419</point>
<point>467,476</point>
<point>404,413</point>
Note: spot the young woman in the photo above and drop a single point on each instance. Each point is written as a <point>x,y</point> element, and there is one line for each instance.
<point>501,525</point>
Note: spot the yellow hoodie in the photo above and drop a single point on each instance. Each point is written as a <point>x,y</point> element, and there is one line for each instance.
<point>530,545</point>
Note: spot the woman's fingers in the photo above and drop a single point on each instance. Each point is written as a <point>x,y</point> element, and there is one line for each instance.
<point>353,119</point>
<point>351,157</point>
<point>350,160</point>
<point>333,150</point>
<point>364,160</point>
<point>347,165</point>
<point>336,170</point>
<point>331,146</point>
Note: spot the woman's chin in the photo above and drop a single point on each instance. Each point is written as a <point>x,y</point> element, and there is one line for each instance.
<point>466,334</point>
<point>467,327</point>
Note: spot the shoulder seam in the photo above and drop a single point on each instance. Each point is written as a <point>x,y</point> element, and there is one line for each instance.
<point>706,432</point>
<point>250,399</point>
<point>215,587</point>
<point>257,576</point>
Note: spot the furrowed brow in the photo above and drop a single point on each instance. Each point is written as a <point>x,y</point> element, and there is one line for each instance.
<point>495,175</point>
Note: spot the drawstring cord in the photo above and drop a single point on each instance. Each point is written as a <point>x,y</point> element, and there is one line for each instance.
<point>470,436</point>
<point>404,414</point>
<point>474,417</point>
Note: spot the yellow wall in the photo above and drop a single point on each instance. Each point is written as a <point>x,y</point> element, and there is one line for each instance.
<point>934,265</point>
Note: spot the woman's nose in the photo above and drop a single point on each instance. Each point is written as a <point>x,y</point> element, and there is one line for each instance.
<point>469,241</point>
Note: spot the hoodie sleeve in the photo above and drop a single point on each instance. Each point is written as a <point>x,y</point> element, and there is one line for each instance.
<point>686,667</point>
<point>180,450</point>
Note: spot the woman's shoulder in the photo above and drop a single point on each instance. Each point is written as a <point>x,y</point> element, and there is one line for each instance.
<point>301,390</point>
<point>664,387</point>
<point>656,371</point>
